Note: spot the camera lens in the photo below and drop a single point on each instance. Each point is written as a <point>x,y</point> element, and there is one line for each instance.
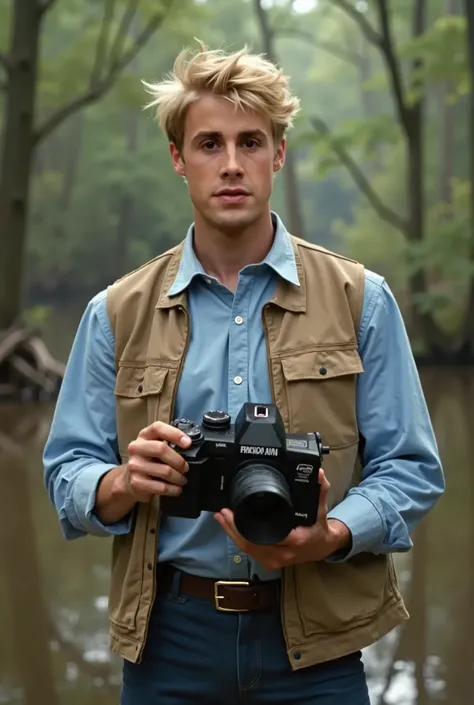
<point>261,501</point>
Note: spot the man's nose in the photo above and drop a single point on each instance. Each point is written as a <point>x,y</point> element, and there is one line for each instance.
<point>231,166</point>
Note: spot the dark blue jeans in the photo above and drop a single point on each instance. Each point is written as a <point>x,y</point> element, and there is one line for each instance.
<point>197,655</point>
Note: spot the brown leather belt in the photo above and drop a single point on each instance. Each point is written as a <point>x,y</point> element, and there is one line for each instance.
<point>225,595</point>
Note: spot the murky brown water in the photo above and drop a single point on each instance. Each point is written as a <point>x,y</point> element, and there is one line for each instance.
<point>53,622</point>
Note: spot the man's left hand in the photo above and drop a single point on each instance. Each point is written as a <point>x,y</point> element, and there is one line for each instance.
<point>302,545</point>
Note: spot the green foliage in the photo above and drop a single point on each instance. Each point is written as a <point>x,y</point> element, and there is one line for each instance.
<point>442,52</point>
<point>37,316</point>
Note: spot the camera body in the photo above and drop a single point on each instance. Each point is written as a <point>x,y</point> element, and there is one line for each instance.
<point>267,477</point>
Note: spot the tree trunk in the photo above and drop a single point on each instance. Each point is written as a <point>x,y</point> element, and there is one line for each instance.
<point>125,206</point>
<point>414,132</point>
<point>446,147</point>
<point>469,328</point>
<point>294,211</point>
<point>17,154</point>
<point>73,158</point>
<point>446,160</point>
<point>292,197</point>
<point>415,182</point>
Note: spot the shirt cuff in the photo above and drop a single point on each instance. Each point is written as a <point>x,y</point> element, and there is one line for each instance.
<point>80,508</point>
<point>364,522</point>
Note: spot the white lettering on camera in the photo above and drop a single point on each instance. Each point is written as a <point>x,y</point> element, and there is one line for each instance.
<point>259,450</point>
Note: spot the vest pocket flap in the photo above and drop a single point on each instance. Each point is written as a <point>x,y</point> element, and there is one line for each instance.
<point>322,364</point>
<point>139,381</point>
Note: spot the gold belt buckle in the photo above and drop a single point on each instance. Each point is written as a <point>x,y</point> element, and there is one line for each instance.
<point>218,597</point>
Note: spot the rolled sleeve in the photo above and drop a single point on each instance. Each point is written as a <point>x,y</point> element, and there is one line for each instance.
<point>363,520</point>
<point>402,476</point>
<point>82,444</point>
<point>80,504</point>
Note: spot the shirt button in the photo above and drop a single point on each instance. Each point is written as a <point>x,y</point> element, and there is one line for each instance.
<point>238,379</point>
<point>237,559</point>
<point>208,281</point>
<point>239,320</point>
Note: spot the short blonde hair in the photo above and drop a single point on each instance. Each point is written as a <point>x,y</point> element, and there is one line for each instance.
<point>249,81</point>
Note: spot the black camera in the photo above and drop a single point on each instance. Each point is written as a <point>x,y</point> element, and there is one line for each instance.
<point>267,477</point>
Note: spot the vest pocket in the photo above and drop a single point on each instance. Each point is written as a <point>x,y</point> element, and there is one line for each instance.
<point>338,597</point>
<point>320,388</point>
<point>137,390</point>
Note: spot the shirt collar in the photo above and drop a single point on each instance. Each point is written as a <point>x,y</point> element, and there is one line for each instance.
<point>281,258</point>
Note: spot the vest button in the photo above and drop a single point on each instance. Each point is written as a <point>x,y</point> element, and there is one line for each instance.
<point>140,388</point>
<point>322,370</point>
<point>152,531</point>
<point>150,566</point>
<point>297,655</point>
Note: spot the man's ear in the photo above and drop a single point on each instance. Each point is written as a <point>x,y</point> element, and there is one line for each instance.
<point>176,158</point>
<point>279,158</point>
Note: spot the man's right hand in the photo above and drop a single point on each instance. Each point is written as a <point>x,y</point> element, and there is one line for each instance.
<point>154,468</point>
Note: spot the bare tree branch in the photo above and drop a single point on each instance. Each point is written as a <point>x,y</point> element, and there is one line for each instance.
<point>469,11</point>
<point>128,15</point>
<point>103,41</point>
<point>346,55</point>
<point>393,66</point>
<point>383,211</point>
<point>366,28</point>
<point>384,42</point>
<point>103,85</point>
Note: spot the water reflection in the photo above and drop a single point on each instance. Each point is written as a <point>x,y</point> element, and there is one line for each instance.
<point>53,600</point>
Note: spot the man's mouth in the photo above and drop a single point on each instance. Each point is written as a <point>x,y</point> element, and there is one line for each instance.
<point>232,195</point>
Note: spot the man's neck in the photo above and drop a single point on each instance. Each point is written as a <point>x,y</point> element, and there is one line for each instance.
<point>223,255</point>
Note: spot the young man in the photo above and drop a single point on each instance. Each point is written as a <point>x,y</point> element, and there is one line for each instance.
<point>242,311</point>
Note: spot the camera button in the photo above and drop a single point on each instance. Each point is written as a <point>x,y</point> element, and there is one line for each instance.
<point>237,559</point>
<point>238,379</point>
<point>239,320</point>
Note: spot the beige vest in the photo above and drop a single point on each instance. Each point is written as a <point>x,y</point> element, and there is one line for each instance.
<point>328,610</point>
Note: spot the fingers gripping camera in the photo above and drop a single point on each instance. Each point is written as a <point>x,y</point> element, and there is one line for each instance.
<point>267,477</point>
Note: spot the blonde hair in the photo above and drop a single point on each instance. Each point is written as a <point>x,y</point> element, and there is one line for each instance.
<point>249,81</point>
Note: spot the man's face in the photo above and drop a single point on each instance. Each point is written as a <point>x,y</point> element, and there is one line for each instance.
<point>228,158</point>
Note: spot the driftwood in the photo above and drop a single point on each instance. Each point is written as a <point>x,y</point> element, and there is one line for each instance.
<point>28,372</point>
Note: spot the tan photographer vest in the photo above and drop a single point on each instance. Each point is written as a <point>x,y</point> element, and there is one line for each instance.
<point>328,610</point>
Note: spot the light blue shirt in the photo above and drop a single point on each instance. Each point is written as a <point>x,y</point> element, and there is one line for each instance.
<point>225,366</point>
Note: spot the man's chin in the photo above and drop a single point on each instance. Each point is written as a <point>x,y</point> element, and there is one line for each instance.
<point>233,221</point>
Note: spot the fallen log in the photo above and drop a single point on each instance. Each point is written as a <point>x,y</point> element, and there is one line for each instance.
<point>28,372</point>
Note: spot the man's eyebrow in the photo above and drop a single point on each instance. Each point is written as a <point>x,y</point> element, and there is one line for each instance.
<point>206,135</point>
<point>254,133</point>
<point>214,135</point>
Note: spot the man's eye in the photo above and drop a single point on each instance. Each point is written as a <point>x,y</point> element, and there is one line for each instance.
<point>250,143</point>
<point>209,145</point>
